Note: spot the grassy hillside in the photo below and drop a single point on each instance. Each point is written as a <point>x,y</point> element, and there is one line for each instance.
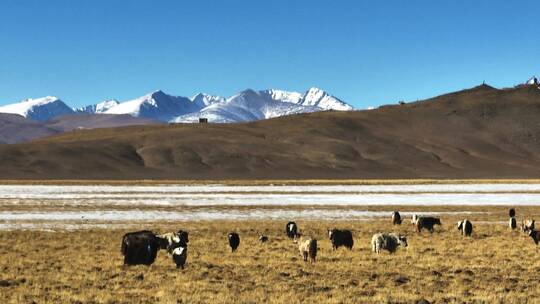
<point>477,133</point>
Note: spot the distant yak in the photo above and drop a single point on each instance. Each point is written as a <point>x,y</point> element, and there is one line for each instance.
<point>291,229</point>
<point>179,249</point>
<point>140,247</point>
<point>387,241</point>
<point>527,225</point>
<point>396,218</point>
<point>234,241</point>
<point>427,222</point>
<point>341,238</point>
<point>465,227</point>
<point>512,223</point>
<point>307,247</point>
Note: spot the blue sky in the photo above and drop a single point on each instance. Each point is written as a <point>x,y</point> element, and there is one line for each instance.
<point>365,52</point>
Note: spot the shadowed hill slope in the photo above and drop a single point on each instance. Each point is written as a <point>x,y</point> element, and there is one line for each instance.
<point>17,129</point>
<point>93,121</point>
<point>477,133</point>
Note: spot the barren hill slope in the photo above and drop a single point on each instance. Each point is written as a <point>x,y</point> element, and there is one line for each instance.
<point>477,133</point>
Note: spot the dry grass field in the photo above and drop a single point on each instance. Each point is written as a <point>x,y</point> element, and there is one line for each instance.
<point>494,266</point>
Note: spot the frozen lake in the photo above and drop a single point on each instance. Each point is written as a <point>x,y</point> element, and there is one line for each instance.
<point>73,207</point>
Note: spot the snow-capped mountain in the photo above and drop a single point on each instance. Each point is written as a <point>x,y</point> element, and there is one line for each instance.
<point>248,105</point>
<point>157,105</point>
<point>101,107</point>
<point>40,109</point>
<point>284,96</point>
<point>251,105</point>
<point>319,98</point>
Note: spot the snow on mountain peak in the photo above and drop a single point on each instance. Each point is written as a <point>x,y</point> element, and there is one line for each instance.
<point>284,96</point>
<point>205,100</point>
<point>247,105</point>
<point>40,109</point>
<point>319,98</point>
<point>98,108</point>
<point>156,105</point>
<point>105,105</point>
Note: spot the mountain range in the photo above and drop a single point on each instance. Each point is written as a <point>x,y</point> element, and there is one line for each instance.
<point>481,132</point>
<point>248,105</point>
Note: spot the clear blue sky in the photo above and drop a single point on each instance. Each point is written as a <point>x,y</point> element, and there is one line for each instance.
<point>365,52</point>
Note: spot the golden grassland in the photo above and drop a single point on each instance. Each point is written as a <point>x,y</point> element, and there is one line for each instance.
<point>251,182</point>
<point>494,266</point>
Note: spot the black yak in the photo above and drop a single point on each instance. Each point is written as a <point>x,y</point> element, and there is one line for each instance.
<point>140,247</point>
<point>427,222</point>
<point>291,229</point>
<point>179,249</point>
<point>234,240</point>
<point>512,223</point>
<point>465,227</point>
<point>396,218</point>
<point>340,238</point>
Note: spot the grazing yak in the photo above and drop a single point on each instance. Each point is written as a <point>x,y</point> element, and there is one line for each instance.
<point>140,247</point>
<point>179,255</point>
<point>396,218</point>
<point>167,240</point>
<point>427,222</point>
<point>291,229</point>
<point>263,238</point>
<point>527,226</point>
<point>512,212</point>
<point>234,240</point>
<point>179,249</point>
<point>307,247</point>
<point>512,223</point>
<point>340,238</point>
<point>535,235</point>
<point>465,227</point>
<point>387,241</point>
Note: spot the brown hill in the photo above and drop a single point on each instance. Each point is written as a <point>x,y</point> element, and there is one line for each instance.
<point>94,121</point>
<point>17,129</point>
<point>477,133</point>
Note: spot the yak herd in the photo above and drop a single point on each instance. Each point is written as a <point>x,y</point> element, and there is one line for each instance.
<point>141,247</point>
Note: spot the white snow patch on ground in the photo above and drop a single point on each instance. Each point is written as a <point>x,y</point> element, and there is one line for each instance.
<point>97,219</point>
<point>202,199</point>
<point>222,202</point>
<point>43,191</point>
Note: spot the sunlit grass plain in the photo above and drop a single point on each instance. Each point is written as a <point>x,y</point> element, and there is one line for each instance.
<point>495,265</point>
